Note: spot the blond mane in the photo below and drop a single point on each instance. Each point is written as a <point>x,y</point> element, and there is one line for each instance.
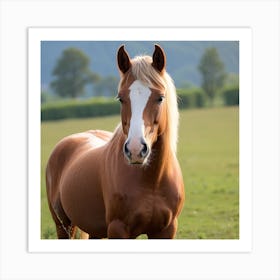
<point>143,70</point>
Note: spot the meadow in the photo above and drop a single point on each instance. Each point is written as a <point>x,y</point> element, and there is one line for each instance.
<point>208,152</point>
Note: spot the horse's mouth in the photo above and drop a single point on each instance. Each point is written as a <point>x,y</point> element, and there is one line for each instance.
<point>136,163</point>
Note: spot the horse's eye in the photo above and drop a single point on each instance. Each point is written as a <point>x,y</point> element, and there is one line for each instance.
<point>160,99</point>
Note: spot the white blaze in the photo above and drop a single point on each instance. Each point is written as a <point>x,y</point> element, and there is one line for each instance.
<point>139,96</point>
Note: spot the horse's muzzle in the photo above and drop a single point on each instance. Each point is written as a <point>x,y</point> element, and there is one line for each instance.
<point>136,152</point>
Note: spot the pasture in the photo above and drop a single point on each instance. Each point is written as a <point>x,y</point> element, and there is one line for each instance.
<point>208,152</point>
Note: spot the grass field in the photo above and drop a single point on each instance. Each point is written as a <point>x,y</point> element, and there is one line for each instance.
<point>208,152</point>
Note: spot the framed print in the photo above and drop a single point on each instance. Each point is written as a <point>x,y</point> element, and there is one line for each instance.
<point>229,225</point>
<point>236,211</point>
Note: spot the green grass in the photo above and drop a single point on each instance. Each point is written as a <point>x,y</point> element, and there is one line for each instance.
<point>208,152</point>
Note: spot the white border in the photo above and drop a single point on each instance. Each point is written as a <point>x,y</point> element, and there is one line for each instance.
<point>243,35</point>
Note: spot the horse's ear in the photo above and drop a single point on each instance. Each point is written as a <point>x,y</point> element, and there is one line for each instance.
<point>158,58</point>
<point>123,60</point>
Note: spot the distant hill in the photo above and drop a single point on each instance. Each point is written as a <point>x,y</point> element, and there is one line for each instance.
<point>182,57</point>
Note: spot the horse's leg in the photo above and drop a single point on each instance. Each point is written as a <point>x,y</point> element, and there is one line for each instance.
<point>64,229</point>
<point>60,228</point>
<point>73,232</point>
<point>167,233</point>
<point>93,237</point>
<point>61,232</point>
<point>117,229</point>
<point>76,232</point>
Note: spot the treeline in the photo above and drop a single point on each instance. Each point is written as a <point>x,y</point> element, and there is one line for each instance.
<point>72,76</point>
<point>95,107</point>
<point>197,98</point>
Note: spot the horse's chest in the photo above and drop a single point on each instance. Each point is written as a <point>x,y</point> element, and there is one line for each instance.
<point>161,214</point>
<point>148,213</point>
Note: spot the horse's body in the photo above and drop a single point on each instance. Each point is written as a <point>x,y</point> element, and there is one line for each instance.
<point>123,184</point>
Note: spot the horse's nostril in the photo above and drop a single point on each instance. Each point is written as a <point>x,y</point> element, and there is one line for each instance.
<point>126,150</point>
<point>144,150</point>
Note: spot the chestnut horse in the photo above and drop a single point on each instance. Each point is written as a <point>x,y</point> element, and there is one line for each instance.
<point>126,183</point>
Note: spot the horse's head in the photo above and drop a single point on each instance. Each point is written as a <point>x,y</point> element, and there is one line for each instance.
<point>142,94</point>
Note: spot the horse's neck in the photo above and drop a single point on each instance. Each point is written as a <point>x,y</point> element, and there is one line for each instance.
<point>161,157</point>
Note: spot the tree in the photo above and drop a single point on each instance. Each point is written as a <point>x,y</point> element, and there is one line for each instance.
<point>72,73</point>
<point>213,73</point>
<point>107,86</point>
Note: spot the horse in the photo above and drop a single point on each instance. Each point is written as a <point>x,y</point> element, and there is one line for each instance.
<point>126,183</point>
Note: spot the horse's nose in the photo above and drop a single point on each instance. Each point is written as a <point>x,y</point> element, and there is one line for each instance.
<point>136,151</point>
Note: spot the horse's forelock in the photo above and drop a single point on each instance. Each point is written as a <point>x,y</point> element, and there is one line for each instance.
<point>143,70</point>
